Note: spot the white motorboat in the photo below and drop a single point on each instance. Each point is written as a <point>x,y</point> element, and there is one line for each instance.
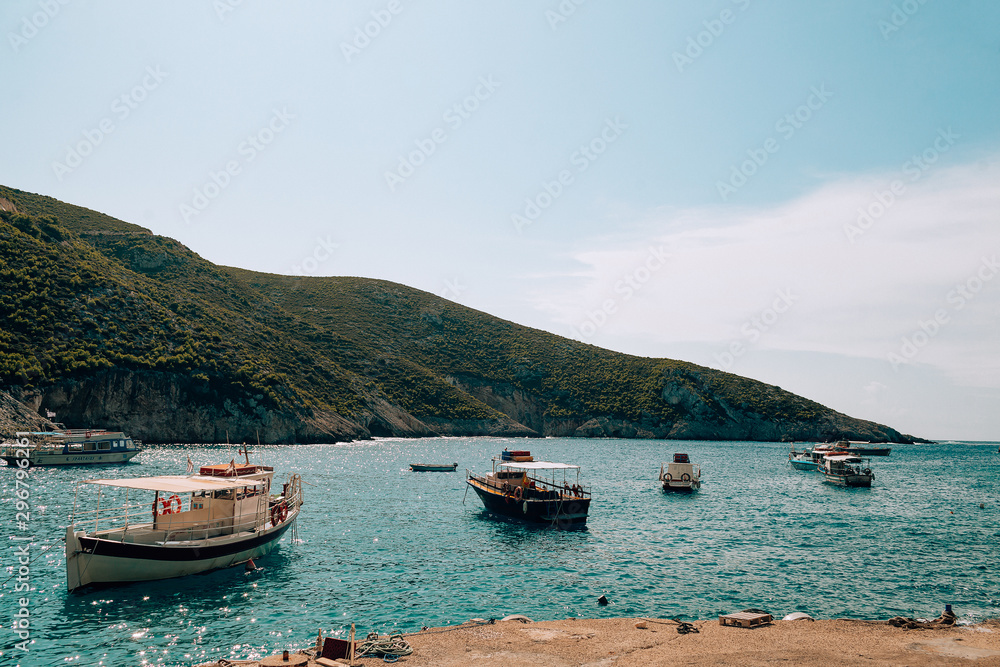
<point>680,475</point>
<point>803,460</point>
<point>70,447</point>
<point>224,515</point>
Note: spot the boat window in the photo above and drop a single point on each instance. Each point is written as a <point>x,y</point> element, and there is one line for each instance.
<point>106,444</point>
<point>128,443</point>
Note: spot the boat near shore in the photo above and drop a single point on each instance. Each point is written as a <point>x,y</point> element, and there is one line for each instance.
<point>70,447</point>
<point>225,515</point>
<point>520,490</point>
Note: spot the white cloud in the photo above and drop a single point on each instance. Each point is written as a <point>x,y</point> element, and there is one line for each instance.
<point>855,292</point>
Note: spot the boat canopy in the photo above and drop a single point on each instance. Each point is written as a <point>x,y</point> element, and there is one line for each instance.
<point>844,457</point>
<point>537,465</point>
<point>178,483</point>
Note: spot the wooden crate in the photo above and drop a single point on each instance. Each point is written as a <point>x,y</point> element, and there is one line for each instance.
<point>745,619</point>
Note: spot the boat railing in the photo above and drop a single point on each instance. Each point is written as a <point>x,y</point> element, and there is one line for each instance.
<point>127,520</point>
<point>553,485</point>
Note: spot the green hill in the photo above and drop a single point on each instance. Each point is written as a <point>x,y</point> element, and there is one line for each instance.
<point>107,324</point>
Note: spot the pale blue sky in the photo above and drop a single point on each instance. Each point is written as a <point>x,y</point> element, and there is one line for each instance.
<point>650,245</point>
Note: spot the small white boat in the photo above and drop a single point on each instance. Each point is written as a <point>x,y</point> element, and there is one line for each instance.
<point>70,447</point>
<point>680,475</point>
<point>433,467</point>
<point>846,470</point>
<point>224,515</point>
<point>803,460</point>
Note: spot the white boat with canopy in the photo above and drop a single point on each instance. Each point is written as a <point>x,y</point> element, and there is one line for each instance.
<point>223,516</point>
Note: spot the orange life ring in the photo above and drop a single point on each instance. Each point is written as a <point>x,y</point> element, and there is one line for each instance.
<point>170,505</point>
<point>278,513</point>
<point>518,493</point>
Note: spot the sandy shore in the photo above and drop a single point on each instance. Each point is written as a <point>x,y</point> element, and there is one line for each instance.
<point>618,643</point>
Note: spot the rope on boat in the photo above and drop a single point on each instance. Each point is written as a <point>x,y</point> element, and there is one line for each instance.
<point>388,645</point>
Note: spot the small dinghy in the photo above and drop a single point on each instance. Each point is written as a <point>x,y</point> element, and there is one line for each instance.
<point>433,467</point>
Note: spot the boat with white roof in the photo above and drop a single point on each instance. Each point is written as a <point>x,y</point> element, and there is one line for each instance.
<point>536,491</point>
<point>680,475</point>
<point>70,447</point>
<point>847,470</point>
<point>223,516</point>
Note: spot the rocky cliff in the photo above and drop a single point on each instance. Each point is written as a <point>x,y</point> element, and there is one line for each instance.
<point>109,325</point>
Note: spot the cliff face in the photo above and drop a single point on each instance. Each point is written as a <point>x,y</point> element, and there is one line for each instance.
<point>16,416</point>
<point>109,325</point>
<point>702,420</point>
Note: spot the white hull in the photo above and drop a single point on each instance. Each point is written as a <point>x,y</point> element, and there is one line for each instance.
<point>37,459</point>
<point>84,568</point>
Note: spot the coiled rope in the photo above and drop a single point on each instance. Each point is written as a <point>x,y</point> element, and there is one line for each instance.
<point>389,645</point>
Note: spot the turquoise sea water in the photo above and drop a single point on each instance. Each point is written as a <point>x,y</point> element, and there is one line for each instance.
<point>392,550</point>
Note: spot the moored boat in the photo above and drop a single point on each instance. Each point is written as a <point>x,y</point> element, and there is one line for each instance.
<point>518,489</point>
<point>433,467</point>
<point>846,470</point>
<point>70,447</point>
<point>864,448</point>
<point>680,475</point>
<point>224,515</point>
<point>803,460</point>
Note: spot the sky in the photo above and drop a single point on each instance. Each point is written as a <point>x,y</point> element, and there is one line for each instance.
<point>802,193</point>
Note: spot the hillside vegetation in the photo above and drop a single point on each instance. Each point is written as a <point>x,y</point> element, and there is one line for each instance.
<point>108,324</point>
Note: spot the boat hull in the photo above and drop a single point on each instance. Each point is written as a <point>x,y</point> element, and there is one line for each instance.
<point>36,459</point>
<point>91,560</point>
<point>423,467</point>
<point>848,480</point>
<point>803,465</point>
<point>870,451</point>
<point>676,486</point>
<point>564,512</point>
